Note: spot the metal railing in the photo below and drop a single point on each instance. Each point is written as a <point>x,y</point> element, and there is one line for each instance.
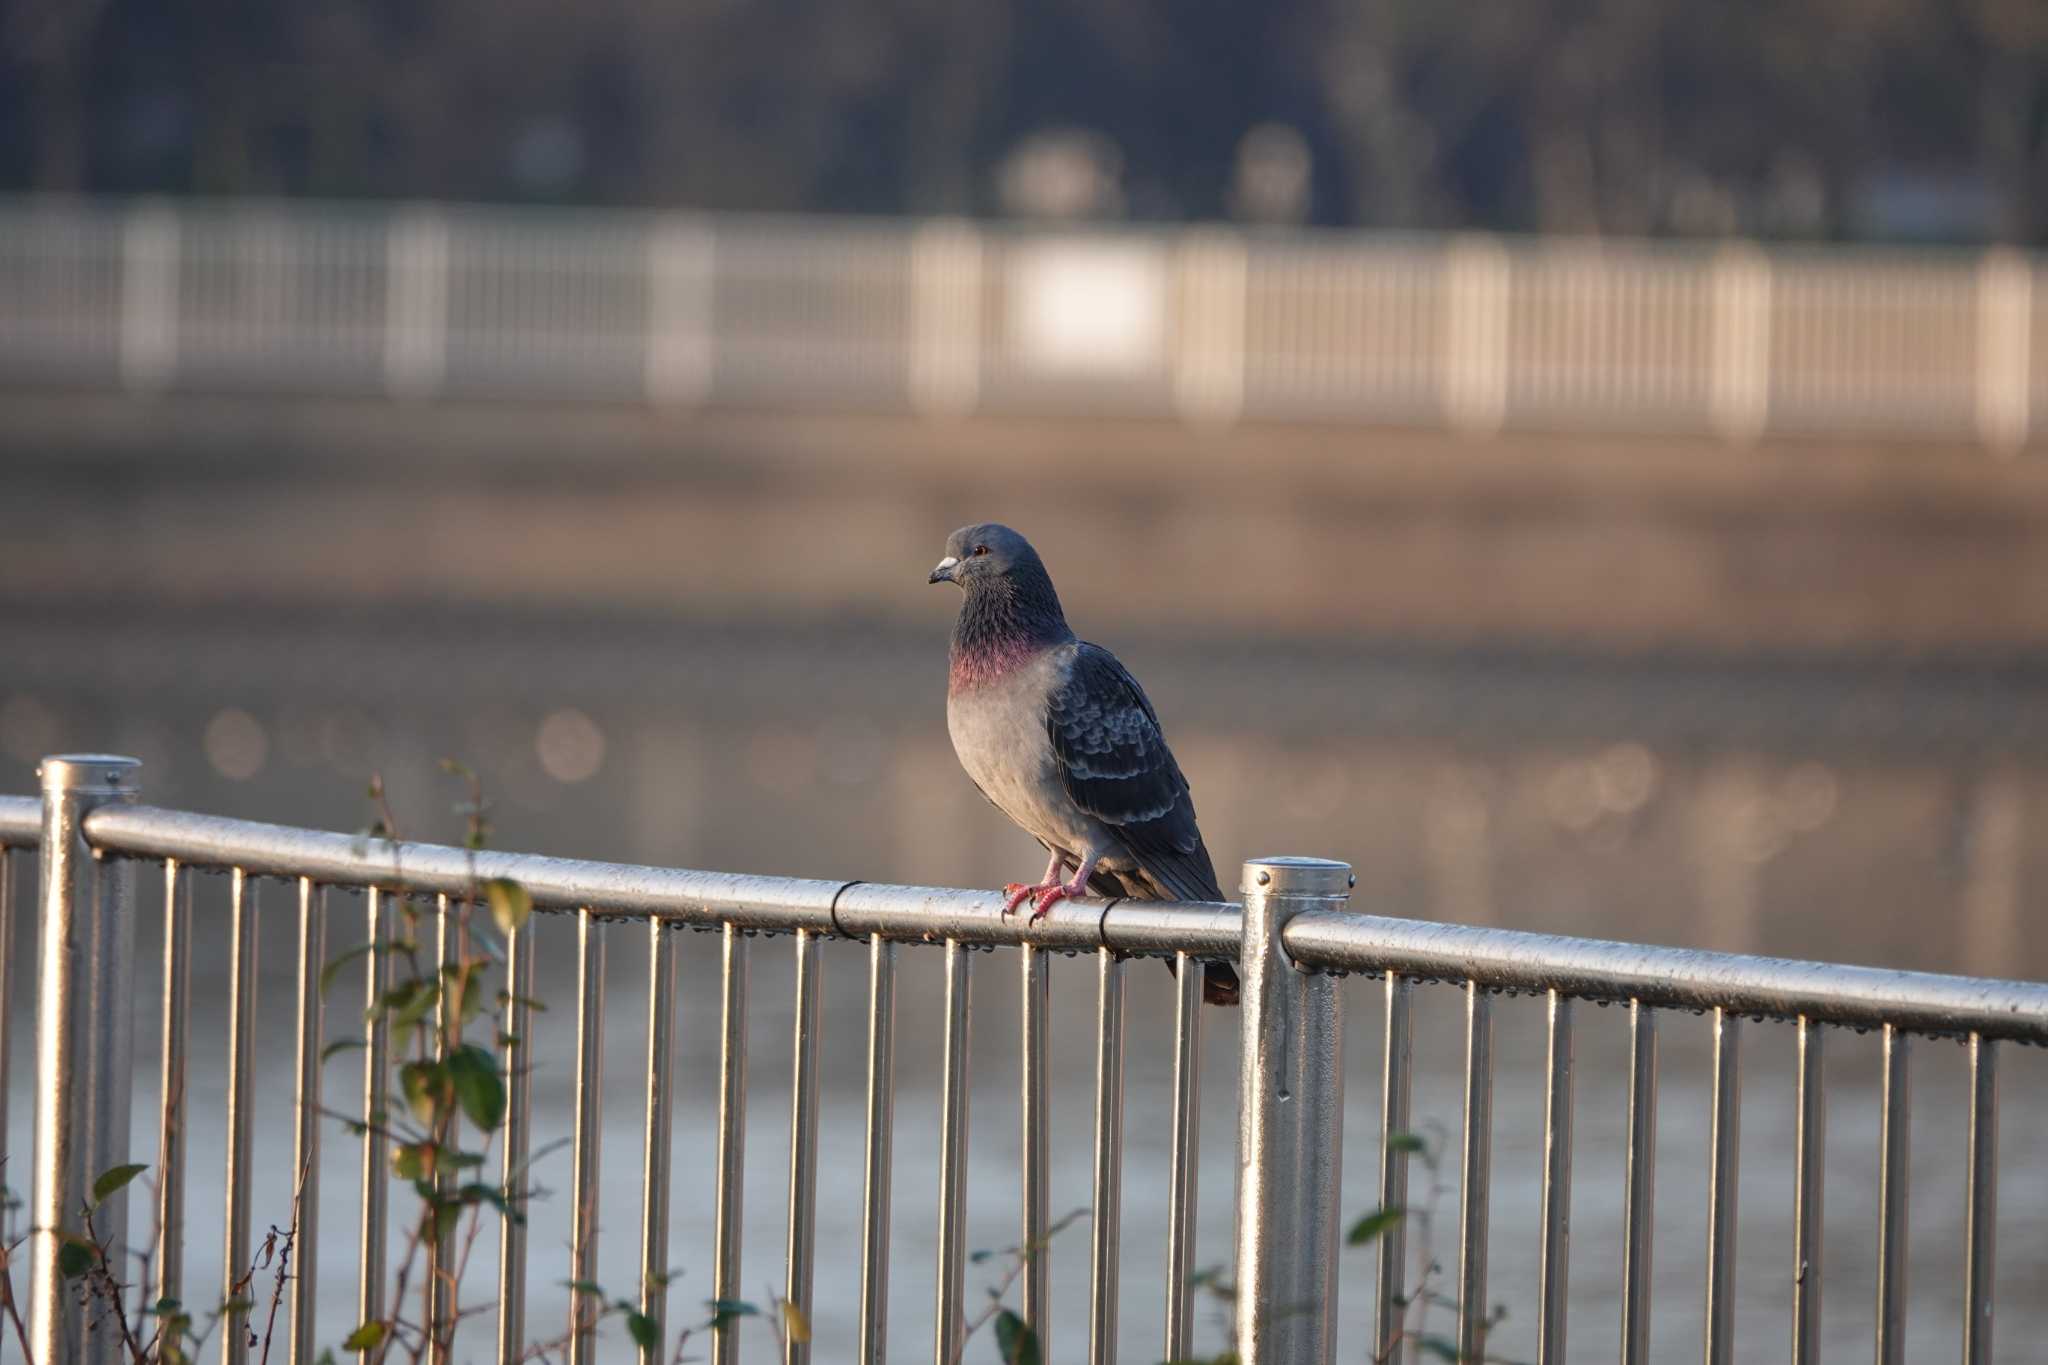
<point>1214,324</point>
<point>1292,937</point>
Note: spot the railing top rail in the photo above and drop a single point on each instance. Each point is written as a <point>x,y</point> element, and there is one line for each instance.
<point>685,896</point>
<point>1680,978</point>
<point>1506,959</point>
<point>21,821</point>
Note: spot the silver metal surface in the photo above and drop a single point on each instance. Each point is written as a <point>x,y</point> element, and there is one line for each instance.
<point>1639,1192</point>
<point>1502,958</point>
<point>1034,984</point>
<point>799,1247</point>
<point>949,1323</point>
<point>874,1234</point>
<point>1290,1122</point>
<point>21,821</point>
<point>512,1233</point>
<point>7,951</point>
<point>1183,1168</point>
<point>306,1123</point>
<point>589,1132</point>
<point>1476,1167</point>
<point>1781,988</point>
<point>441,1252</point>
<point>84,1041</point>
<point>1555,1272</point>
<point>1106,1208</point>
<point>1808,1186</point>
<point>1397,1070</point>
<point>1895,1150</point>
<point>1980,1210</point>
<point>732,1140</point>
<point>170,1142</point>
<point>237,1285</point>
<point>658,1141</point>
<point>1723,1145</point>
<point>370,1239</point>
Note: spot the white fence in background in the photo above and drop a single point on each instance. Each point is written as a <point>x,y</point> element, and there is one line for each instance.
<point>950,317</point>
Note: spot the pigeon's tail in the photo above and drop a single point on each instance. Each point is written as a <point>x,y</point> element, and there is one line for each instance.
<point>1184,881</point>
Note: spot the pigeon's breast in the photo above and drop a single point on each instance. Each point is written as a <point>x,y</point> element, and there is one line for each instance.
<point>999,734</point>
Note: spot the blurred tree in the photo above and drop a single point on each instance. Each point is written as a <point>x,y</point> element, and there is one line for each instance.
<point>1839,118</point>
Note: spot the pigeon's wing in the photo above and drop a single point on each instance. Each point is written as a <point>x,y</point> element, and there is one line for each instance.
<point>1115,765</point>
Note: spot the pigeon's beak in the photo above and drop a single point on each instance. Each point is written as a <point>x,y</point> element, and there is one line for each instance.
<point>946,571</point>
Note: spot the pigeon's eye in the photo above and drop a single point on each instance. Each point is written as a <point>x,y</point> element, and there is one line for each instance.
<point>981,549</point>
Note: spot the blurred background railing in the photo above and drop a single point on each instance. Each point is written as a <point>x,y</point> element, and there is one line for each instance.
<point>1474,333</point>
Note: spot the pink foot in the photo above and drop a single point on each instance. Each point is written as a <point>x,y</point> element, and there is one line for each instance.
<point>1015,894</point>
<point>1045,897</point>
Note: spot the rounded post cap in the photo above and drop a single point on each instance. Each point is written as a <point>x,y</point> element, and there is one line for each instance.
<point>1296,877</point>
<point>95,773</point>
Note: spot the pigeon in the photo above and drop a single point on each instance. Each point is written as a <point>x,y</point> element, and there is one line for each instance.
<point>1057,735</point>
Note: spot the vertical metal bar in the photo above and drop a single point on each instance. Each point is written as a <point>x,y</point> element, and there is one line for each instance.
<point>1396,1073</point>
<point>306,1125</point>
<point>84,1036</point>
<point>171,1145</point>
<point>1034,985</point>
<point>1809,1167</point>
<point>1107,1219</point>
<point>1557,1187</point>
<point>655,1151</point>
<point>236,1285</point>
<point>1183,1161</point>
<point>589,1129</point>
<point>874,1239</point>
<point>376,1146</point>
<point>800,1248</point>
<point>949,1322</point>
<point>1980,1216</point>
<point>518,1142</point>
<point>1721,1180</point>
<point>1639,1194</point>
<point>732,1137</point>
<point>437,1289</point>
<point>1894,1155</point>
<point>1290,1123</point>
<point>7,935</point>
<point>1476,1165</point>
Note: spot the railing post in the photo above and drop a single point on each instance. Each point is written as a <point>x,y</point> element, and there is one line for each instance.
<point>84,1041</point>
<point>1290,1123</point>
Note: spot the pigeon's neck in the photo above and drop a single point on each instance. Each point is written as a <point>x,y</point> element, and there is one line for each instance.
<point>1005,623</point>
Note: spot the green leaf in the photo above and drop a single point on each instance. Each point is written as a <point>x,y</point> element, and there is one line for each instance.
<point>511,904</point>
<point>339,1046</point>
<point>409,1162</point>
<point>725,1311</point>
<point>1016,1341</point>
<point>112,1181</point>
<point>335,965</point>
<point>795,1325</point>
<point>585,1287</point>
<point>368,1337</point>
<point>478,1087</point>
<point>1374,1225</point>
<point>1406,1142</point>
<point>76,1256</point>
<point>645,1334</point>
<point>426,1088</point>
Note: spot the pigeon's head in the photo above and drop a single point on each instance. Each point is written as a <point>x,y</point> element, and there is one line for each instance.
<point>985,552</point>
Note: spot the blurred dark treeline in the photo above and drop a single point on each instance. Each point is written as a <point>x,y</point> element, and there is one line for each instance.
<point>1835,119</point>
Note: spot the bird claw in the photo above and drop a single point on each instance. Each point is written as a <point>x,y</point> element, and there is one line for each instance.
<point>1014,894</point>
<point>1045,898</point>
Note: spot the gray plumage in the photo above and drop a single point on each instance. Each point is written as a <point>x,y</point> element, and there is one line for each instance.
<point>1058,735</point>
